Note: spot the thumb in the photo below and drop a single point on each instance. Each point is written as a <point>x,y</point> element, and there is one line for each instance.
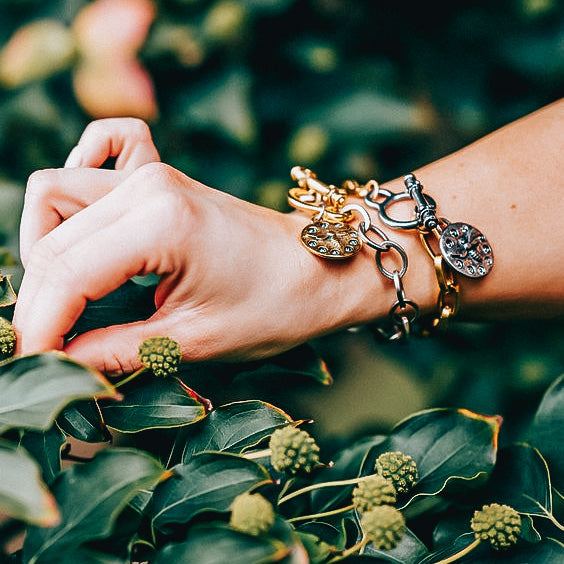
<point>114,350</point>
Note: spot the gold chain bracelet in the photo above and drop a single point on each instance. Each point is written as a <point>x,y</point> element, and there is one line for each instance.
<point>329,235</point>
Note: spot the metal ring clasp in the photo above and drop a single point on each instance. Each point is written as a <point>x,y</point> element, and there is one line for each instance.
<point>389,199</point>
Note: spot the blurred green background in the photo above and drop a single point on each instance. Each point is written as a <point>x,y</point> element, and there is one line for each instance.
<point>236,93</point>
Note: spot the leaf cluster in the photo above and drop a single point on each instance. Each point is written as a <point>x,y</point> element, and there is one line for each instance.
<point>162,467</point>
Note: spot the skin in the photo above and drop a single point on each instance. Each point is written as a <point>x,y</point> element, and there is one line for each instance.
<point>235,282</point>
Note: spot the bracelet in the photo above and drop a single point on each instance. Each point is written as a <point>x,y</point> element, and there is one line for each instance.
<point>330,236</point>
<point>463,248</point>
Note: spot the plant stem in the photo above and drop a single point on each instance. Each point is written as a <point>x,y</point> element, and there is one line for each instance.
<point>460,554</point>
<point>257,454</point>
<point>325,514</point>
<point>355,548</point>
<point>130,377</point>
<point>351,482</point>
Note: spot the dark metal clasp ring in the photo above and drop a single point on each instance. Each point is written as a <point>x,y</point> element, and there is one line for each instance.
<point>389,199</point>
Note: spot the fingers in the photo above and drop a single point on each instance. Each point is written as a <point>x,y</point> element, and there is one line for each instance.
<point>56,194</point>
<point>85,258</point>
<point>113,350</point>
<point>127,139</point>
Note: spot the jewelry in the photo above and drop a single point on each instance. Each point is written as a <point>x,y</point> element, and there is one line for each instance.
<point>463,248</point>
<point>330,236</point>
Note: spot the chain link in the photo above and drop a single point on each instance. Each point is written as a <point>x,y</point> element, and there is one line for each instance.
<point>329,204</point>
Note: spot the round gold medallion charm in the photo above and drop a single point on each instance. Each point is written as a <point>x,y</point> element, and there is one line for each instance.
<point>331,240</point>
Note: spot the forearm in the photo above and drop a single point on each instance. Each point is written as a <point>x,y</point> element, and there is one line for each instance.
<point>508,186</point>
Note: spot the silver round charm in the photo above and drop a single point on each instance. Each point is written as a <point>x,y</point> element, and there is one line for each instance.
<point>466,250</point>
<point>331,240</point>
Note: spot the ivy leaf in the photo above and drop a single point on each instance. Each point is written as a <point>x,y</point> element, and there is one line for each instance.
<point>216,542</point>
<point>45,446</point>
<point>7,258</point>
<point>209,481</point>
<point>302,360</point>
<point>83,421</point>
<point>23,494</point>
<point>347,465</point>
<point>154,403</point>
<point>547,430</point>
<point>318,551</point>
<point>409,549</point>
<point>234,427</point>
<point>90,497</point>
<point>128,303</point>
<point>87,556</point>
<point>448,445</point>
<point>521,480</point>
<point>34,389</point>
<point>7,294</point>
<point>547,551</point>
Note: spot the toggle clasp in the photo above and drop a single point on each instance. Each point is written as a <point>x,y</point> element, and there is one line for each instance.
<point>425,206</point>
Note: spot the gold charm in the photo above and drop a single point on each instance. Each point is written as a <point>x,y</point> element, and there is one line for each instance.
<point>331,240</point>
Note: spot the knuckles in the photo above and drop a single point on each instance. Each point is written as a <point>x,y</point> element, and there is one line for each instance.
<point>41,183</point>
<point>128,127</point>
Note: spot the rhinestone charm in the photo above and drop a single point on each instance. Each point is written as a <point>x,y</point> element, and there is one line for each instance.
<point>466,250</point>
<point>331,240</point>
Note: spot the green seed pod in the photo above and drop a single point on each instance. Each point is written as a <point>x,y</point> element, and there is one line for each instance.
<point>161,355</point>
<point>500,525</point>
<point>252,514</point>
<point>293,450</point>
<point>399,468</point>
<point>373,491</point>
<point>384,526</point>
<point>7,339</point>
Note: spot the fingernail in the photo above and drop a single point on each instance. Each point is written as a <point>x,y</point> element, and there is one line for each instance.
<point>74,159</point>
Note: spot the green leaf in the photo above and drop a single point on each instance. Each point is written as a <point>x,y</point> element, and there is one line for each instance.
<point>547,430</point>
<point>521,480</point>
<point>547,551</point>
<point>217,544</point>
<point>7,294</point>
<point>90,497</point>
<point>347,464</point>
<point>46,447</point>
<point>83,421</point>
<point>368,114</point>
<point>7,258</point>
<point>87,556</point>
<point>234,427</point>
<point>129,303</point>
<point>209,481</point>
<point>448,445</point>
<point>34,389</point>
<point>222,105</point>
<point>153,403</point>
<point>23,494</point>
<point>409,549</point>
<point>302,360</point>
<point>318,551</point>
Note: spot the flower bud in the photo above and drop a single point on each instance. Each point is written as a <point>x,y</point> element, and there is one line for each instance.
<point>162,355</point>
<point>7,339</point>
<point>373,491</point>
<point>293,450</point>
<point>500,525</point>
<point>384,526</point>
<point>252,514</point>
<point>399,468</point>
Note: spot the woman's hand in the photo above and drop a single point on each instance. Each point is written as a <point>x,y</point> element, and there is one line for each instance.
<point>235,282</point>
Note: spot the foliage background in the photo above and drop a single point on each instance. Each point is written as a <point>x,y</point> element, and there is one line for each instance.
<point>363,89</point>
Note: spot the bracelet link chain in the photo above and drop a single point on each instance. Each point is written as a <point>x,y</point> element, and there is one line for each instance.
<point>329,236</point>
